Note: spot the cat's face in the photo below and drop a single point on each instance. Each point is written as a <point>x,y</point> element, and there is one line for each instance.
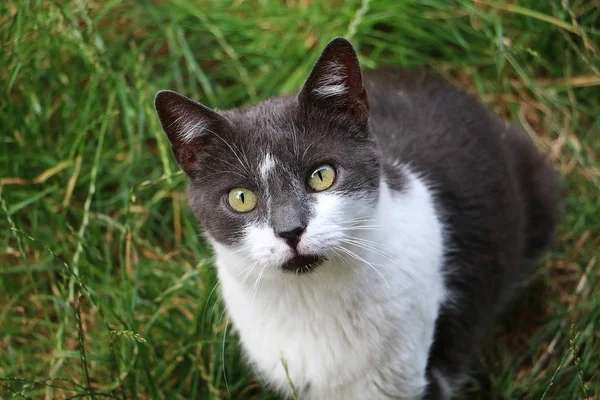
<point>286,182</point>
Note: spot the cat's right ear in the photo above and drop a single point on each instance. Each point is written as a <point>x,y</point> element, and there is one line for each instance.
<point>188,126</point>
<point>335,82</point>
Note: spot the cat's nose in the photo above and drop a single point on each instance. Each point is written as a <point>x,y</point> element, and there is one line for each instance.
<point>291,236</point>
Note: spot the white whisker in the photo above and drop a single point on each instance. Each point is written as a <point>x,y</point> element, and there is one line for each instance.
<point>223,358</point>
<point>208,301</point>
<point>250,268</point>
<point>359,258</point>
<point>369,247</point>
<point>306,149</point>
<point>245,166</point>
<point>242,249</point>
<point>341,257</point>
<point>254,288</point>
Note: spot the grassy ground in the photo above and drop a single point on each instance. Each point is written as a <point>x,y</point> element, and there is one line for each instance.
<point>106,289</point>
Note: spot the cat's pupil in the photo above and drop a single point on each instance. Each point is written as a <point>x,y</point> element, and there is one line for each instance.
<point>320,175</point>
<point>241,196</point>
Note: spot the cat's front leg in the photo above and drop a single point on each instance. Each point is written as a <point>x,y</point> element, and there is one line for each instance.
<point>374,384</point>
<point>438,387</point>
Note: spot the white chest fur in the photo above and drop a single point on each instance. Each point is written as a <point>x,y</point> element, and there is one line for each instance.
<point>357,327</point>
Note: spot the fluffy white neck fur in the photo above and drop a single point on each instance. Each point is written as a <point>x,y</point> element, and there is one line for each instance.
<point>357,327</point>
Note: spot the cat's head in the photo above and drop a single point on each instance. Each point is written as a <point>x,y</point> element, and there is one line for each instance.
<point>283,183</point>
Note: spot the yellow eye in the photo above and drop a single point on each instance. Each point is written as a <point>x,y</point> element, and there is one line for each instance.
<point>242,200</point>
<point>321,178</point>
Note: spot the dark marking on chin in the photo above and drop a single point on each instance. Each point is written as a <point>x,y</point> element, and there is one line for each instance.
<point>303,264</point>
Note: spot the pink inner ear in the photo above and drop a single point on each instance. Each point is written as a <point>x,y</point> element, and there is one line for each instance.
<point>186,157</point>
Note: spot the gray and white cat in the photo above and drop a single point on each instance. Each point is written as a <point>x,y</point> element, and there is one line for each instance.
<point>366,241</point>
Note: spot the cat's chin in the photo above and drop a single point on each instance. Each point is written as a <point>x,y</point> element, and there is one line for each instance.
<point>303,264</point>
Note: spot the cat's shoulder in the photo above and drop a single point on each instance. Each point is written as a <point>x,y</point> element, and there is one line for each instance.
<point>418,93</point>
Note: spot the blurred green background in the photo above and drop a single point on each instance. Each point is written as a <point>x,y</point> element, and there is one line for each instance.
<point>106,288</point>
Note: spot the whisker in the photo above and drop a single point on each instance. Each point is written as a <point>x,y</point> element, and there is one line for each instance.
<point>214,307</point>
<point>383,253</point>
<point>223,358</point>
<point>205,177</point>
<point>355,220</point>
<point>359,258</point>
<point>236,167</point>
<point>367,228</point>
<point>344,259</point>
<point>306,149</point>
<point>365,241</point>
<point>369,248</point>
<point>242,249</point>
<point>251,268</point>
<point>208,301</point>
<point>295,140</point>
<point>245,166</point>
<point>245,269</point>
<point>254,288</point>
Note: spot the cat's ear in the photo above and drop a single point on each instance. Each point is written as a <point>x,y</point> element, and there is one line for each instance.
<point>336,81</point>
<point>189,126</point>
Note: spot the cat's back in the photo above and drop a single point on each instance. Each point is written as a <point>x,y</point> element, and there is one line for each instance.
<point>489,177</point>
<point>419,117</point>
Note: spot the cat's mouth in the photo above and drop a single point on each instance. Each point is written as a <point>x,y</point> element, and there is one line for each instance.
<point>302,264</point>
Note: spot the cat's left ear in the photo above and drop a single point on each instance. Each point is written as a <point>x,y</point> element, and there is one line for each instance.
<point>336,81</point>
<point>190,127</point>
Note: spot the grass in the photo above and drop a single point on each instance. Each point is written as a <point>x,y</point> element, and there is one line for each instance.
<point>106,288</point>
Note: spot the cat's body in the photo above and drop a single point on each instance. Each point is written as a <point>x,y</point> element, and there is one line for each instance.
<point>383,284</point>
<point>350,331</point>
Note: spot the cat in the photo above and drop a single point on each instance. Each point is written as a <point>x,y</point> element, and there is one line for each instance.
<point>368,230</point>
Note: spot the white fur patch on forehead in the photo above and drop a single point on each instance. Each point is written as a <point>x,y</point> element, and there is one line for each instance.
<point>332,82</point>
<point>266,167</point>
<point>190,128</point>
